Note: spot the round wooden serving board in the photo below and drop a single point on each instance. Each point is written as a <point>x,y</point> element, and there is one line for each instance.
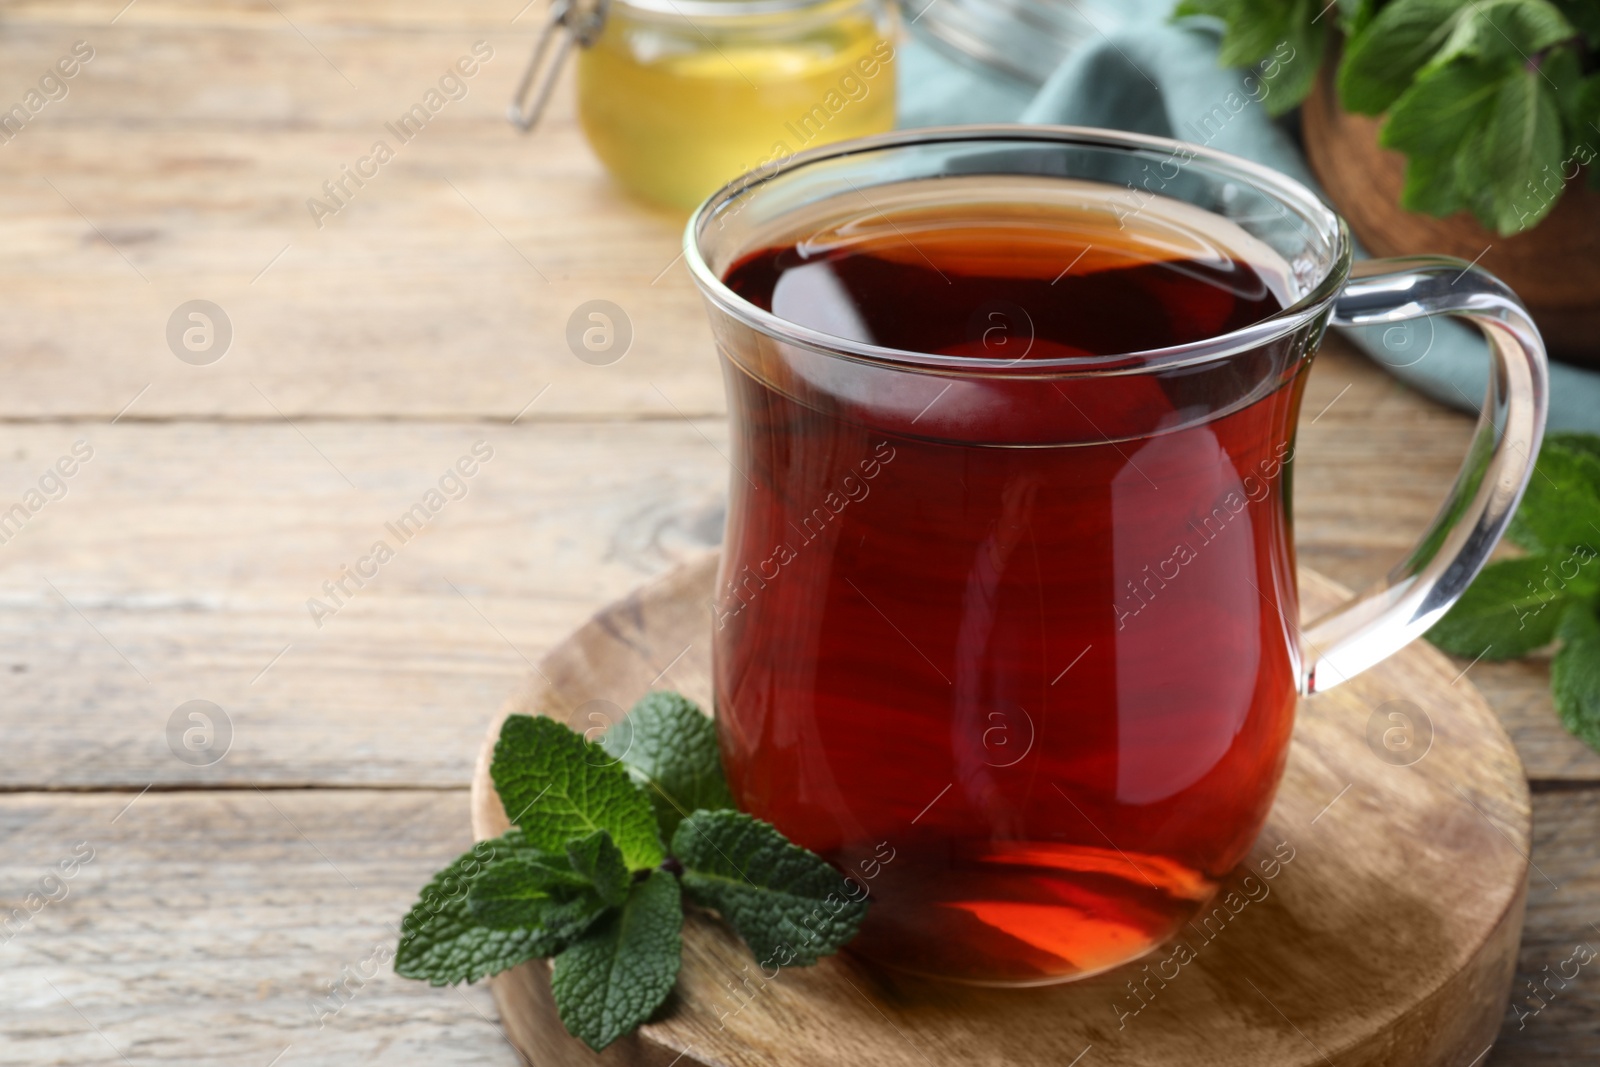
<point>1389,938</point>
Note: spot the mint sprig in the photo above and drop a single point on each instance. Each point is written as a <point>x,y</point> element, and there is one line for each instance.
<point>585,879</point>
<point>1517,606</point>
<point>1493,102</point>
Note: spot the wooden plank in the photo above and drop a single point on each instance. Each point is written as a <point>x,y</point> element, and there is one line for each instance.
<point>1555,1019</point>
<point>193,549</point>
<point>179,166</point>
<point>355,14</point>
<point>206,922</point>
<point>1519,692</point>
<point>207,926</point>
<point>180,563</point>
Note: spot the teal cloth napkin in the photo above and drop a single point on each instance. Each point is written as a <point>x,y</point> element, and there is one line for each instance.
<point>1137,71</point>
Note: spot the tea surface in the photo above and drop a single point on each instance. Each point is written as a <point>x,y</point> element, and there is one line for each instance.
<point>1002,292</point>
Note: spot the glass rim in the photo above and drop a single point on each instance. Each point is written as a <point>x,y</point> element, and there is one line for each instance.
<point>1316,300</point>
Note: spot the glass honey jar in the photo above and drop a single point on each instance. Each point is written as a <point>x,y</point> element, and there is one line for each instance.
<point>677,97</point>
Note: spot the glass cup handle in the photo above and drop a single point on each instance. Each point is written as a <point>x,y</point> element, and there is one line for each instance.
<point>1400,607</point>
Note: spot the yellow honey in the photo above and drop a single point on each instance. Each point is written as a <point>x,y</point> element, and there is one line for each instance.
<point>677,97</point>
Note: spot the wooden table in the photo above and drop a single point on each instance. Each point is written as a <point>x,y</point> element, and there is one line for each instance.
<point>367,355</point>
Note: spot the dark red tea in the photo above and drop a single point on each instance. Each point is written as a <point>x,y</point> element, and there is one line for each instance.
<point>1035,696</point>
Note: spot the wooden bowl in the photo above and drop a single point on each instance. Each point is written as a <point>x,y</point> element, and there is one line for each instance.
<point>1554,267</point>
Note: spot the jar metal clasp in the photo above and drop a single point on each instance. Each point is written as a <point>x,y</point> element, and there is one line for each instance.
<point>577,22</point>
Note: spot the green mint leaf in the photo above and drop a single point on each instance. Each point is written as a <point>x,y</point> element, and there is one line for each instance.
<point>617,974</point>
<point>1564,68</point>
<point>1585,14</point>
<point>1575,674</point>
<point>1430,122</point>
<point>599,862</point>
<point>1587,443</point>
<point>1431,185</point>
<point>1561,508</point>
<point>1295,76</point>
<point>1440,108</point>
<point>1255,28</point>
<point>558,787</point>
<point>1218,9</point>
<point>1293,61</point>
<point>539,894</point>
<point>1587,107</point>
<point>1514,606</point>
<point>1509,30</point>
<point>440,941</point>
<point>1382,59</point>
<point>1520,139</point>
<point>1355,14</point>
<point>670,746</point>
<point>1258,31</point>
<point>787,903</point>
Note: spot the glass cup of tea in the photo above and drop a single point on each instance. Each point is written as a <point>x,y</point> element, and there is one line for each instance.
<point>1006,622</point>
